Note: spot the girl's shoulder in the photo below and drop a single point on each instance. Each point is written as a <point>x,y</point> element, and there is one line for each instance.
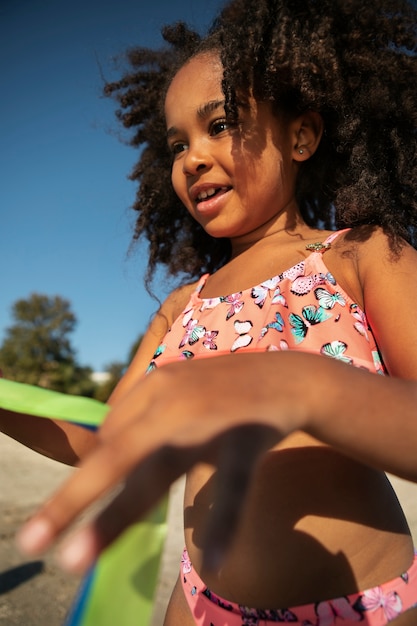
<point>176,302</point>
<point>161,322</point>
<point>364,247</point>
<point>366,255</point>
<point>387,273</point>
<point>373,250</point>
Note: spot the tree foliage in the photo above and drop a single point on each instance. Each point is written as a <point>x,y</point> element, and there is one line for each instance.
<point>37,348</point>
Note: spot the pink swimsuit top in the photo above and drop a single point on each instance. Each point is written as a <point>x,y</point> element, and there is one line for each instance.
<point>301,309</point>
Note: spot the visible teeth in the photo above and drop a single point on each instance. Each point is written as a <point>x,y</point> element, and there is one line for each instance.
<point>207,193</point>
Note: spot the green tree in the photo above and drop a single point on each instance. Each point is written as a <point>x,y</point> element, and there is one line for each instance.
<point>37,349</point>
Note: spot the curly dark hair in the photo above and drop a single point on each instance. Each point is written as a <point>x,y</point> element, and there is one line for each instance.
<point>353,62</point>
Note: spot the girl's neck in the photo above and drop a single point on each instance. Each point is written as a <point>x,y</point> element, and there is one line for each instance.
<point>282,231</point>
<point>255,261</point>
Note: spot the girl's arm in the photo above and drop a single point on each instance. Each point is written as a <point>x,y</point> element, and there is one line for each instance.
<point>59,440</point>
<point>157,330</point>
<point>377,419</point>
<point>230,409</point>
<point>66,442</point>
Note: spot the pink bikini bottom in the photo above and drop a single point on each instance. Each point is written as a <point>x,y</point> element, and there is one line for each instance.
<point>373,607</point>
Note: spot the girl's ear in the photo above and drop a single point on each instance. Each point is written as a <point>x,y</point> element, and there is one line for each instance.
<point>308,132</point>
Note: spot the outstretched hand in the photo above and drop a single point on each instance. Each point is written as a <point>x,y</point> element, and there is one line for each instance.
<point>210,410</point>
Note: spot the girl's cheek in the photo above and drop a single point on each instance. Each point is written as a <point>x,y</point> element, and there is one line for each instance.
<point>178,182</point>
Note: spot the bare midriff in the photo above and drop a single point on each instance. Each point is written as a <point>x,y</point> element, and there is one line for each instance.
<point>315,527</point>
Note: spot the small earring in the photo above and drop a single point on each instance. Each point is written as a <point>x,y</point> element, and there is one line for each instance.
<point>300,151</point>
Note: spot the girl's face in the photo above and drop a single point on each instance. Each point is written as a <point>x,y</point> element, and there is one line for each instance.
<point>237,181</point>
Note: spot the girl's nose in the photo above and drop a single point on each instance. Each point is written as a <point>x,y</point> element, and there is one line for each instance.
<point>195,161</point>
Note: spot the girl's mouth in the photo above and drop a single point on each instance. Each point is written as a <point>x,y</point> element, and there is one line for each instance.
<point>210,193</point>
<point>211,200</point>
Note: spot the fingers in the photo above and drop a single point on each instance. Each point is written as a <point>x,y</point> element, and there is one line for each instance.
<point>103,469</point>
<point>137,497</point>
<point>150,473</point>
<point>137,451</point>
<point>150,470</point>
<point>239,452</point>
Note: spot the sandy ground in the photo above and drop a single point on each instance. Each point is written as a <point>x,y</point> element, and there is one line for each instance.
<point>36,592</point>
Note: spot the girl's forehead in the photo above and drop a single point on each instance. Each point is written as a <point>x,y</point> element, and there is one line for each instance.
<point>204,69</point>
<point>198,81</point>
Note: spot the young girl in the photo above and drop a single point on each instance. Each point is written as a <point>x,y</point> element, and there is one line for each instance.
<point>291,134</point>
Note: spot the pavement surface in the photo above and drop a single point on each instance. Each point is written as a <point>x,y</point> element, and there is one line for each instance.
<point>32,592</point>
<point>36,592</point>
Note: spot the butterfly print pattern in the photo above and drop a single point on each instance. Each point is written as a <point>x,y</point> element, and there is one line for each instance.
<point>376,599</point>
<point>277,324</point>
<point>376,606</point>
<point>336,349</point>
<point>244,339</point>
<point>294,310</point>
<point>312,315</point>
<point>235,304</point>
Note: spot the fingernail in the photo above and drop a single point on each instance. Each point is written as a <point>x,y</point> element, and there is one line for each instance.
<point>34,537</point>
<point>75,554</point>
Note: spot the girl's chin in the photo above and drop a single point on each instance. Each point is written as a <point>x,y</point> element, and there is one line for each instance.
<point>221,233</point>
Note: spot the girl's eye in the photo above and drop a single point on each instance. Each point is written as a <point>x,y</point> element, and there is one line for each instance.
<point>178,147</point>
<point>216,127</point>
<point>219,126</point>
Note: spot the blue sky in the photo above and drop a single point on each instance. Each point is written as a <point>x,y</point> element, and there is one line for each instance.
<point>65,196</point>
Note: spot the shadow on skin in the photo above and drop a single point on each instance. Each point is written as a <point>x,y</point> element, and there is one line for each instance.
<point>19,575</point>
<point>311,487</point>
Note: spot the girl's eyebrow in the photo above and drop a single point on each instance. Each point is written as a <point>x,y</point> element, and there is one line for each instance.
<point>203,111</point>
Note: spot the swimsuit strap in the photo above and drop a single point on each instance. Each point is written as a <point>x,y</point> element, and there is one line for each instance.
<point>201,283</point>
<point>319,247</point>
<point>334,236</point>
<point>322,246</point>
